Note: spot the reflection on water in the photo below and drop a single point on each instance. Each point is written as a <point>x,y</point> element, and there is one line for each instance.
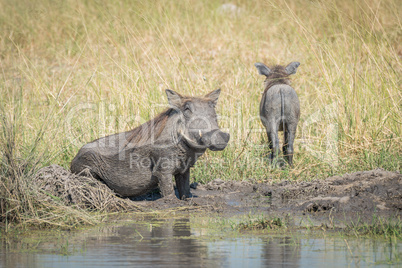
<point>174,243</point>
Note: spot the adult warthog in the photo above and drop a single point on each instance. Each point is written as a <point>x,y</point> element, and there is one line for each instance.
<point>137,161</point>
<point>279,108</point>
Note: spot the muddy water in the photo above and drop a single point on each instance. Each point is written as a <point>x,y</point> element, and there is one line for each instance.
<point>193,242</point>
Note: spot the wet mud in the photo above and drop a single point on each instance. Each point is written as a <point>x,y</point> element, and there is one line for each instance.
<point>348,197</point>
<point>360,194</point>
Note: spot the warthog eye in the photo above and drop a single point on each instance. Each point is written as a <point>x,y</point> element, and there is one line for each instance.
<point>187,109</point>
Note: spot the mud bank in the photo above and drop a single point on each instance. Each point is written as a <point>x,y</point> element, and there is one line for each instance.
<point>361,193</point>
<point>367,192</point>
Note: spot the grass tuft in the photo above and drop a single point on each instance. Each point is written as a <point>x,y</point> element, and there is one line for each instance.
<point>262,224</point>
<point>387,228</point>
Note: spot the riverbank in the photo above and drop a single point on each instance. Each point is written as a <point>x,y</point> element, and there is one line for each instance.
<point>334,202</point>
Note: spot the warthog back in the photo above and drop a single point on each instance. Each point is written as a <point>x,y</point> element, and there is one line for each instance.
<point>279,108</point>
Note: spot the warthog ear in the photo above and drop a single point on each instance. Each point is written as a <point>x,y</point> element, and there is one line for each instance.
<point>262,68</point>
<point>213,96</point>
<point>174,98</point>
<point>292,67</point>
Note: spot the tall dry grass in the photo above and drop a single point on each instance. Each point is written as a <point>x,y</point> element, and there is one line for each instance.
<point>74,71</point>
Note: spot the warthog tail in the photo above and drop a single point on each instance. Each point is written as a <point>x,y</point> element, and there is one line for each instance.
<point>282,111</point>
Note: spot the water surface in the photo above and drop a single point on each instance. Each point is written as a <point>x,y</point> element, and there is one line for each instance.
<point>185,242</point>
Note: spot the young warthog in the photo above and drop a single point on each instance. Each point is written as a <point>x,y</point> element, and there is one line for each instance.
<point>279,108</point>
<point>137,161</point>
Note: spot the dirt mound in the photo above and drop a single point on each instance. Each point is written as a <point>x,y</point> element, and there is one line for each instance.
<point>84,192</point>
<point>367,191</point>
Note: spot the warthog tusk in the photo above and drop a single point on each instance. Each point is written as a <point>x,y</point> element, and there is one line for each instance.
<point>191,142</point>
<point>186,137</point>
<point>199,132</point>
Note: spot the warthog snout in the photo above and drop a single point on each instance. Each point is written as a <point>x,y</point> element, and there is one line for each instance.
<point>215,140</point>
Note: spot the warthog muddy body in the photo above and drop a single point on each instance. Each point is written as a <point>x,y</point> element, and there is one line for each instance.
<point>279,108</point>
<point>134,162</point>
